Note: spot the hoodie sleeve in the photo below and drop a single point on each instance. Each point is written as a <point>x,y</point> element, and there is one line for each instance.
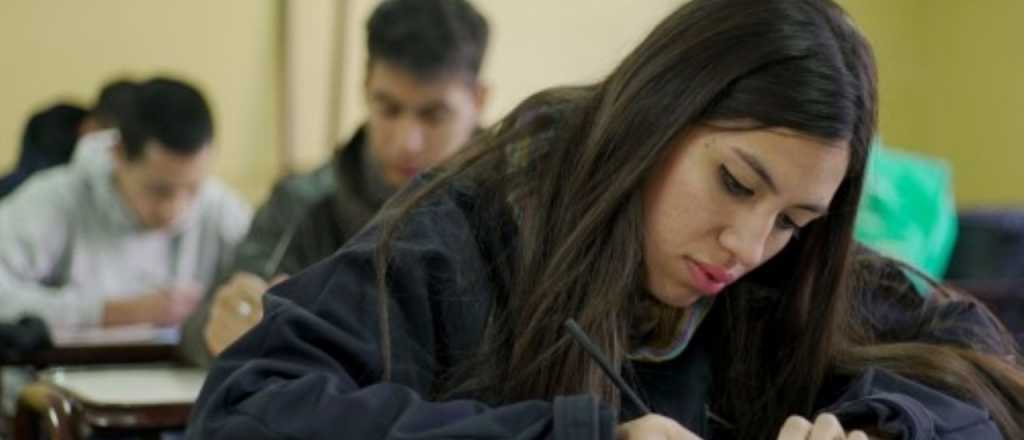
<point>34,236</point>
<point>311,369</point>
<point>907,410</point>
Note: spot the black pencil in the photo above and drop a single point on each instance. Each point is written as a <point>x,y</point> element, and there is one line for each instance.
<point>594,352</point>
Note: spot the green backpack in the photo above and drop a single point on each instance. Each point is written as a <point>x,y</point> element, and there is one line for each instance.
<point>908,210</point>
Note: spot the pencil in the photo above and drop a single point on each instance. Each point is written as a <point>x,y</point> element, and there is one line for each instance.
<point>277,254</point>
<point>595,353</point>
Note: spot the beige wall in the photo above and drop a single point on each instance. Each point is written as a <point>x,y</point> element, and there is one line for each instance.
<point>972,96</point>
<point>951,87</point>
<point>949,70</point>
<point>228,47</point>
<point>312,61</point>
<point>892,28</point>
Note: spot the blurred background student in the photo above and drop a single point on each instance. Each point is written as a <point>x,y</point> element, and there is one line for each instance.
<point>132,236</point>
<point>425,96</point>
<point>65,132</point>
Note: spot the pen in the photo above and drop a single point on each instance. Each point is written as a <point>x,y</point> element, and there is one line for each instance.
<point>595,353</point>
<point>274,261</point>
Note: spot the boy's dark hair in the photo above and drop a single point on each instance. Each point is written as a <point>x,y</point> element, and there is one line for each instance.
<point>169,111</point>
<point>49,140</point>
<point>428,37</point>
<point>50,136</point>
<point>114,103</point>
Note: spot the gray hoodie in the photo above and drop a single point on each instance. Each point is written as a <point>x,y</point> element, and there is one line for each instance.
<point>68,243</point>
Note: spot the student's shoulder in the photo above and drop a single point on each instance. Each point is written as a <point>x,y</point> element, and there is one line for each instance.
<point>57,186</point>
<point>900,305</point>
<point>455,214</point>
<point>305,188</point>
<point>221,202</point>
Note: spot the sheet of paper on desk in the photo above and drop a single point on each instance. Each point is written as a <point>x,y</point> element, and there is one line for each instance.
<point>121,335</point>
<point>129,385</point>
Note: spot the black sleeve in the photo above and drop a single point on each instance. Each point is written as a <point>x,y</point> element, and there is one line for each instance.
<point>908,410</point>
<point>311,369</point>
<point>317,236</point>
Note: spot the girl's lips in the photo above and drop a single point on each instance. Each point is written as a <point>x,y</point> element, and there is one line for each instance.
<point>717,273</point>
<point>708,279</point>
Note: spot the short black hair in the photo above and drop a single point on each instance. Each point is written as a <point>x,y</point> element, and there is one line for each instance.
<point>51,134</point>
<point>114,103</point>
<point>428,38</point>
<point>169,111</point>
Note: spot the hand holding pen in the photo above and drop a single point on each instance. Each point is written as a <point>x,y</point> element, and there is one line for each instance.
<point>656,427</point>
<point>238,303</point>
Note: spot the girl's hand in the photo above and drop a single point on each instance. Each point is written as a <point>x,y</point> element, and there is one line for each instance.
<point>653,427</point>
<point>825,427</point>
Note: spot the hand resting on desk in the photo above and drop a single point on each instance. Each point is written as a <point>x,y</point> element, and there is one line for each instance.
<point>163,307</point>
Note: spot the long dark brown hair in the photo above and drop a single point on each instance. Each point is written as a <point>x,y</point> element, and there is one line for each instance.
<point>566,169</point>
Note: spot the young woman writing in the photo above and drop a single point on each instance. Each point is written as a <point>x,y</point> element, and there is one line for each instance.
<point>693,213</point>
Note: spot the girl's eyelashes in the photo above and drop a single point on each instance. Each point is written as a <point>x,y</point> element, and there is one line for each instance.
<point>732,185</point>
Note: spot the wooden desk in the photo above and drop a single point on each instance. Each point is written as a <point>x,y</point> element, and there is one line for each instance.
<point>119,345</point>
<point>71,403</point>
<point>108,354</point>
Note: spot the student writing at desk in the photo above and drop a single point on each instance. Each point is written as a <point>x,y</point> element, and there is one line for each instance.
<point>693,212</point>
<point>424,98</point>
<point>130,235</point>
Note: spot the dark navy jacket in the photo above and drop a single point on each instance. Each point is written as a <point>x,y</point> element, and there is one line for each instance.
<point>311,368</point>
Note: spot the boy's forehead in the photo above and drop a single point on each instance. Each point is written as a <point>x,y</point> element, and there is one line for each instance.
<point>384,74</point>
